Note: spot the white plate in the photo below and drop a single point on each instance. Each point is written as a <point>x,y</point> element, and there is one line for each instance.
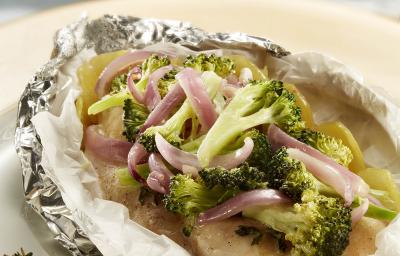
<point>362,40</point>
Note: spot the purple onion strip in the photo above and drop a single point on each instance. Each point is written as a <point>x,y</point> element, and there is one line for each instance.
<point>181,159</point>
<point>173,98</point>
<point>152,96</point>
<point>136,155</point>
<point>116,67</point>
<point>136,93</point>
<point>374,200</point>
<point>198,97</point>
<point>107,149</point>
<point>160,176</point>
<point>359,212</point>
<point>233,206</point>
<point>326,173</point>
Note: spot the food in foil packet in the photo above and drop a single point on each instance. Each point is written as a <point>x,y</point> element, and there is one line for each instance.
<point>215,150</point>
<point>203,147</point>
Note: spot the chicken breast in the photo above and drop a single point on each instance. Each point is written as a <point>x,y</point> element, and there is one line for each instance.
<point>214,239</point>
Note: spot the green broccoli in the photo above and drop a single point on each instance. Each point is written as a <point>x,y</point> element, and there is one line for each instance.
<point>171,130</point>
<point>243,177</point>
<point>319,225</point>
<point>193,145</point>
<point>151,64</point>
<point>261,153</point>
<point>221,65</point>
<point>327,145</point>
<point>134,117</point>
<point>281,172</point>
<point>118,84</point>
<point>190,197</point>
<point>260,102</point>
<point>167,82</point>
<point>289,175</point>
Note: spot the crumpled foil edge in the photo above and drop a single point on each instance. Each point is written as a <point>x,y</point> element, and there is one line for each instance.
<point>106,34</point>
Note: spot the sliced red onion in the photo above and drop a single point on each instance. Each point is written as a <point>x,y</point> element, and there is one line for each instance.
<point>156,164</point>
<point>181,159</point>
<point>107,149</point>
<point>240,202</point>
<point>136,93</point>
<point>116,67</point>
<point>374,201</point>
<point>160,176</point>
<point>359,212</point>
<point>152,96</point>
<point>326,173</point>
<point>173,98</point>
<point>234,158</point>
<point>156,181</point>
<point>175,156</point>
<point>137,154</point>
<point>279,138</point>
<point>198,97</point>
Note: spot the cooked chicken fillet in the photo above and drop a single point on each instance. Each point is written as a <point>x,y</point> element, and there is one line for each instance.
<point>214,239</point>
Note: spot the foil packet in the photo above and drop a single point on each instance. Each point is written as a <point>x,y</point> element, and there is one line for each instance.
<point>60,183</point>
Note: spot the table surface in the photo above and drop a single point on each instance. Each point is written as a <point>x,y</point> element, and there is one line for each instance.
<point>367,42</point>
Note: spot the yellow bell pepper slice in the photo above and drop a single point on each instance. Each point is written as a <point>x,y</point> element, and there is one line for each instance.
<point>382,179</point>
<point>242,62</point>
<point>88,73</point>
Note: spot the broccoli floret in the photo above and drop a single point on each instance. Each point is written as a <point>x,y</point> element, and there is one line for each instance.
<point>134,117</point>
<point>319,225</point>
<point>243,177</point>
<point>289,175</point>
<point>261,153</point>
<point>279,170</point>
<point>167,82</point>
<point>118,84</point>
<point>151,64</point>
<point>327,145</point>
<point>221,65</point>
<point>171,130</point>
<point>260,102</point>
<point>190,197</point>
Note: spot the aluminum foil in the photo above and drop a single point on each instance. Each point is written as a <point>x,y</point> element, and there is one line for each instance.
<point>108,33</point>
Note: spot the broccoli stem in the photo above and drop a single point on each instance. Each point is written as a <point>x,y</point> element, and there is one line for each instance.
<point>230,129</point>
<point>193,145</point>
<point>108,101</point>
<point>280,218</point>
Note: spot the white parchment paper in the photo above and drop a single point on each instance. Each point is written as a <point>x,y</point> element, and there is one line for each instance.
<point>334,91</point>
